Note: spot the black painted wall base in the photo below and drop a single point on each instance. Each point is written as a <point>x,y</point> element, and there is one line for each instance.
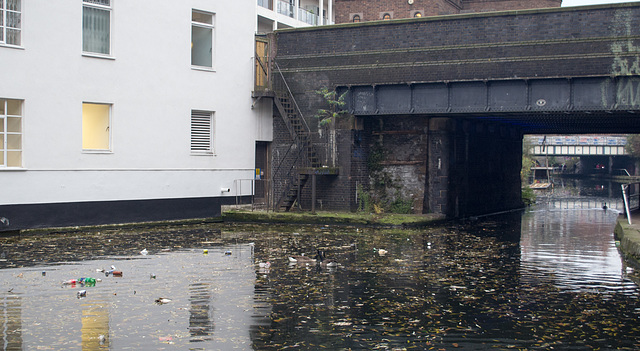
<point>53,215</point>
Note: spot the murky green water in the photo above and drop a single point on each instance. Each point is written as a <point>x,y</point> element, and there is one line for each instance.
<point>547,279</point>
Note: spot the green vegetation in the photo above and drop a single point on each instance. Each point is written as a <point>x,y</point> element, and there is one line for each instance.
<point>334,111</point>
<point>528,196</point>
<point>633,145</point>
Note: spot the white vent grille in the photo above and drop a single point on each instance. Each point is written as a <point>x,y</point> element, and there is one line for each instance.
<point>201,131</point>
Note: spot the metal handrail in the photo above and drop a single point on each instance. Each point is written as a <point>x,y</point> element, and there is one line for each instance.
<point>291,176</point>
<point>295,103</point>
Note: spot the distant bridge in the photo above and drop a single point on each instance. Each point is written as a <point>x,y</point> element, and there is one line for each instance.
<point>583,203</point>
<point>578,145</point>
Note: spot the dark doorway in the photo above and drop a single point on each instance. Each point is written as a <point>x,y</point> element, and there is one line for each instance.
<point>262,173</point>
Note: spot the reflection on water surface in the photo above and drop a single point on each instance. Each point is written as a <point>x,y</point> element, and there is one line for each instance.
<point>549,278</point>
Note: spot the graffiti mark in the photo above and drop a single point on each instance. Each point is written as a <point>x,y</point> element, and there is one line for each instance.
<point>626,53</point>
<point>628,92</point>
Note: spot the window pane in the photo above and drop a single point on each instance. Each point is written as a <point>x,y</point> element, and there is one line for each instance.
<point>13,19</point>
<point>13,5</point>
<point>14,141</point>
<point>14,125</point>
<point>14,107</point>
<point>1,142</point>
<point>201,17</point>
<point>13,37</point>
<point>201,46</point>
<point>1,158</point>
<point>96,30</point>
<point>2,102</point>
<point>99,2</point>
<point>95,127</point>
<point>14,159</point>
<point>1,130</point>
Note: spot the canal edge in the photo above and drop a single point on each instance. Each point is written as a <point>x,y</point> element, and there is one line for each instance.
<point>628,236</point>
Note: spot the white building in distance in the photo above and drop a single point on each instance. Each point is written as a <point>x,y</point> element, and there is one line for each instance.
<point>119,111</point>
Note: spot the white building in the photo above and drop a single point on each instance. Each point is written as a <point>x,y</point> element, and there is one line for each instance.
<point>115,111</point>
<point>279,14</point>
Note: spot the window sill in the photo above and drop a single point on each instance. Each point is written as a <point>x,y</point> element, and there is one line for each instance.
<point>99,56</point>
<point>12,169</point>
<point>203,154</point>
<point>9,46</point>
<point>97,152</point>
<point>203,68</point>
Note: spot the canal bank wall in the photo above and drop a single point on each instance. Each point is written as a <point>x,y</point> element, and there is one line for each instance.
<point>629,237</point>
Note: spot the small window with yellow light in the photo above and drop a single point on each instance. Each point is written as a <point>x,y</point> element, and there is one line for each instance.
<point>96,127</point>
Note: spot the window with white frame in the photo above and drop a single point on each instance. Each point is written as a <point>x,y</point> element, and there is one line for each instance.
<point>201,131</point>
<point>10,133</point>
<point>96,127</point>
<point>202,24</point>
<point>11,22</point>
<point>96,26</point>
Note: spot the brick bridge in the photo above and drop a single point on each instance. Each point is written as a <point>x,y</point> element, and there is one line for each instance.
<point>439,105</point>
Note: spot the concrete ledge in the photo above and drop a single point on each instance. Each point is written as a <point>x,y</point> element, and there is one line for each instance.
<point>333,218</point>
<point>629,237</point>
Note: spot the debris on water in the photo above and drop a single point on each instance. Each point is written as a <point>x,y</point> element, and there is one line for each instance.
<point>101,339</point>
<point>227,253</point>
<point>81,293</point>
<point>381,252</point>
<point>166,339</point>
<point>144,252</point>
<point>162,300</point>
<point>629,269</point>
<point>114,273</point>
<point>205,252</point>
<point>152,276</point>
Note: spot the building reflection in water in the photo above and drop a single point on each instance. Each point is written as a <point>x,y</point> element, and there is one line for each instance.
<point>10,322</point>
<point>576,247</point>
<point>95,325</point>
<point>201,325</point>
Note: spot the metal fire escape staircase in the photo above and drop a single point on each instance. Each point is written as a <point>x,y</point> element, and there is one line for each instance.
<point>306,161</point>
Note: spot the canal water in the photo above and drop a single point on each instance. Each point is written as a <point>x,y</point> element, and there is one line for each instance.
<point>548,278</point>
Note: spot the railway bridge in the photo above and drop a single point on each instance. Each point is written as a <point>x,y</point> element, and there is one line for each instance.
<point>438,106</point>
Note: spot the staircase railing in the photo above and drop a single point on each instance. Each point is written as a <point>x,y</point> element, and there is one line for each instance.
<point>297,126</point>
<point>283,92</point>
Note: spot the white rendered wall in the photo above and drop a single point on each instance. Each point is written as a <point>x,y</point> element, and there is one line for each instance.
<point>153,88</point>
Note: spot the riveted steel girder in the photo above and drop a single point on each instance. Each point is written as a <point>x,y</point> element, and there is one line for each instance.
<point>559,105</point>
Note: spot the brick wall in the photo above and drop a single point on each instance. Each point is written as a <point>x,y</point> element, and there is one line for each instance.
<point>373,10</point>
<point>529,43</point>
<point>504,5</point>
<point>561,42</point>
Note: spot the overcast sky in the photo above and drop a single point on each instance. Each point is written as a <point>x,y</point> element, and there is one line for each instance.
<point>592,2</point>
